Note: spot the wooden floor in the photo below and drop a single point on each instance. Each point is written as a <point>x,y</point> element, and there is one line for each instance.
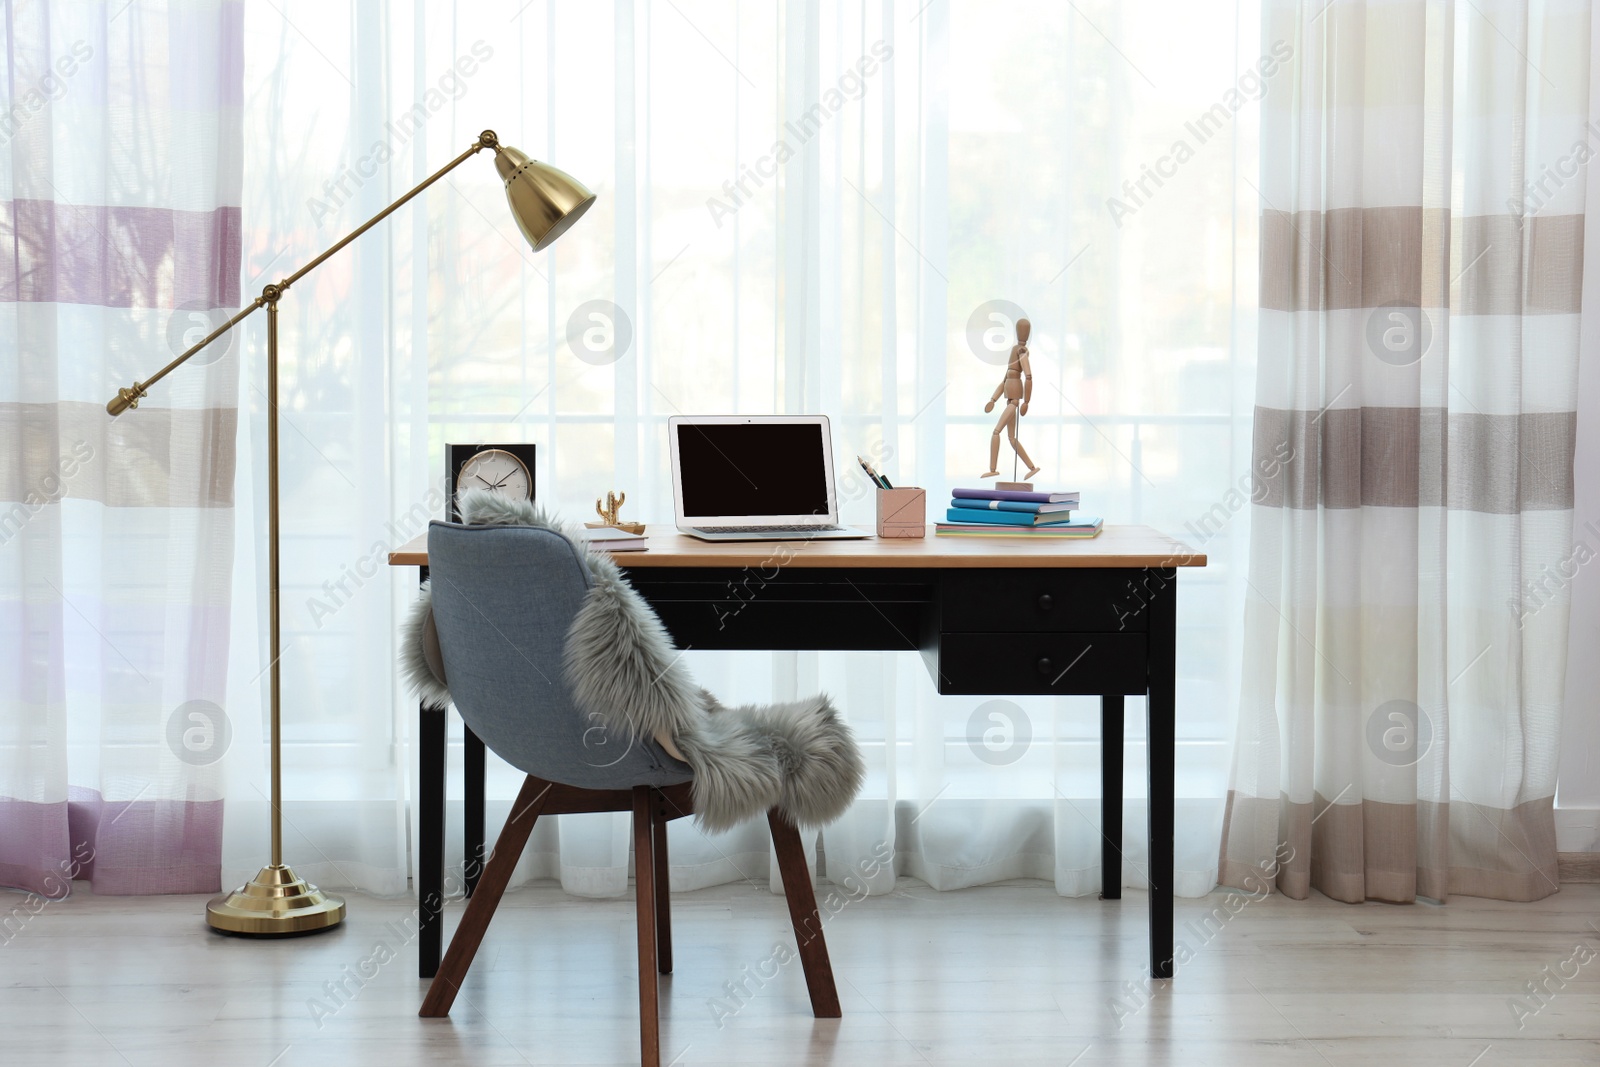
<point>1010,975</point>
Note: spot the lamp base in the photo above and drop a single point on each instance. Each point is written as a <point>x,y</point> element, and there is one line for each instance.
<point>275,903</point>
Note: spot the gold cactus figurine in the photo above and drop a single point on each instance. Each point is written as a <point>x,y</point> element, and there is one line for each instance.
<point>608,515</point>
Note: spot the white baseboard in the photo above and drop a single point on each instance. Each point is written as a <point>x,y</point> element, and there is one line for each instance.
<point>1577,829</point>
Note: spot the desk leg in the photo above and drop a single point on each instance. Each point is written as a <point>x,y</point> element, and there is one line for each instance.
<point>1161,734</point>
<point>472,781</point>
<point>431,752</point>
<point>1111,797</point>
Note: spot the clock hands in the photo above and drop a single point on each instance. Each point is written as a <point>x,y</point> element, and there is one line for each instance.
<point>474,468</point>
<point>501,484</point>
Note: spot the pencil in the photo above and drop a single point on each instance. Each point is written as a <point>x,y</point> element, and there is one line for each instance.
<point>876,480</point>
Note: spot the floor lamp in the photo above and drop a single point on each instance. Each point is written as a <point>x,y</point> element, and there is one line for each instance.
<point>544,201</point>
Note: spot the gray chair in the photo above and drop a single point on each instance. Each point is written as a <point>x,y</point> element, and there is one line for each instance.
<point>504,598</point>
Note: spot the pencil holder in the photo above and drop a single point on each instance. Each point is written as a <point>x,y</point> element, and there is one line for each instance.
<point>902,512</point>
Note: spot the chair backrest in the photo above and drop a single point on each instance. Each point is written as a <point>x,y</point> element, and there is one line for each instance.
<point>504,598</point>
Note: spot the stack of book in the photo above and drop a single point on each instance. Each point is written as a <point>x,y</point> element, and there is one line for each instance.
<point>1010,513</point>
<point>611,539</point>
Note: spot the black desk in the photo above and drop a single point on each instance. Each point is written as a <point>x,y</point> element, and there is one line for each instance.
<point>992,617</point>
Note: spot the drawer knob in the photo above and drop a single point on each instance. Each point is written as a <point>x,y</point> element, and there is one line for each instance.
<point>1044,664</point>
<point>1045,603</point>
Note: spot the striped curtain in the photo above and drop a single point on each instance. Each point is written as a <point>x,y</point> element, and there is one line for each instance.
<point>1422,197</point>
<point>119,228</point>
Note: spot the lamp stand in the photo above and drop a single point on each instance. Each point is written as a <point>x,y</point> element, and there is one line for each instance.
<point>544,201</point>
<point>276,901</point>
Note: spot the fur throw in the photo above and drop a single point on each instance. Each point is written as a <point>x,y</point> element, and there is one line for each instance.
<point>799,756</point>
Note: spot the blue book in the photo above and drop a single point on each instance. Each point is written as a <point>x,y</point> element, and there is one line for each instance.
<point>1003,518</point>
<point>1083,528</point>
<point>1030,506</point>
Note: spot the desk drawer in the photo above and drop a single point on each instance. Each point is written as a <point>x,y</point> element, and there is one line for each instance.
<point>1065,600</point>
<point>793,625</point>
<point>1060,664</point>
<point>791,608</point>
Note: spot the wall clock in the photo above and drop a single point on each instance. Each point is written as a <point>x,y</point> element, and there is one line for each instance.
<point>505,469</point>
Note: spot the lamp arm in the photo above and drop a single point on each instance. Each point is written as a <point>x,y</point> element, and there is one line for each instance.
<point>486,139</point>
<point>130,397</point>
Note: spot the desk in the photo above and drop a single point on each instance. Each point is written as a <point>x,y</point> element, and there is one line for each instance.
<point>991,616</point>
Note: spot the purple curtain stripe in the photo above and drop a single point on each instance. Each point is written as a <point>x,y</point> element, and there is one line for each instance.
<point>119,256</point>
<point>139,847</point>
<point>33,850</point>
<point>128,848</point>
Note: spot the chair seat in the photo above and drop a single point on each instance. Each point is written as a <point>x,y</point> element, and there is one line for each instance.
<point>657,768</point>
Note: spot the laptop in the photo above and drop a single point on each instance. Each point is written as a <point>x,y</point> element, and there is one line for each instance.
<point>755,478</point>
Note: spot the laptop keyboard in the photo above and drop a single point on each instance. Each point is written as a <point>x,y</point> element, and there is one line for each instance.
<point>769,529</point>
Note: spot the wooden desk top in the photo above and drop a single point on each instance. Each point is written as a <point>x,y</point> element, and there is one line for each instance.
<point>1117,546</point>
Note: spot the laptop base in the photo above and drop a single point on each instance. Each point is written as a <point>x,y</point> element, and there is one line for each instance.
<point>775,535</point>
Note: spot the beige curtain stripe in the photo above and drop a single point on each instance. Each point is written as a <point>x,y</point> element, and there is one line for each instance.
<point>1391,852</point>
<point>1493,261</point>
<point>1344,258</point>
<point>1273,823</point>
<point>1397,852</point>
<point>1501,853</point>
<point>1251,819</point>
<point>154,458</point>
<point>1433,854</point>
<point>1414,457</point>
<point>1365,851</point>
<point>1382,256</point>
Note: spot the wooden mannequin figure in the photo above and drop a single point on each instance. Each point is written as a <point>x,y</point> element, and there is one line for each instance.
<point>1017,387</point>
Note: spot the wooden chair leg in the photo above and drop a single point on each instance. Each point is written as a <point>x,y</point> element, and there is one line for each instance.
<point>644,870</point>
<point>475,921</point>
<point>803,914</point>
<point>663,897</point>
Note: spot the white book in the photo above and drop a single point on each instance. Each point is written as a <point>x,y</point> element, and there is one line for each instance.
<point>641,545</point>
<point>605,539</point>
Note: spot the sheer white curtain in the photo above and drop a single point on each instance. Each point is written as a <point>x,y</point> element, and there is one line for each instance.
<point>804,207</point>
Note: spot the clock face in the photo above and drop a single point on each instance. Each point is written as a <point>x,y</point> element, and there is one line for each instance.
<point>497,471</point>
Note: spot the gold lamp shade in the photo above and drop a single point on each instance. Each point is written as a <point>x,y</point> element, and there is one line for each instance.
<point>544,199</point>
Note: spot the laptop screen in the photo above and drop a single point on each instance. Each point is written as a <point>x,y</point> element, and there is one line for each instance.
<point>755,469</point>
